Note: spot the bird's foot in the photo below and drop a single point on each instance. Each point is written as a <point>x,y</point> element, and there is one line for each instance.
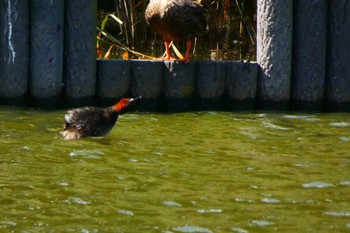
<point>185,59</point>
<point>168,58</point>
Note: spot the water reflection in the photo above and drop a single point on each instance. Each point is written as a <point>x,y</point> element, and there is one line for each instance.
<point>185,172</point>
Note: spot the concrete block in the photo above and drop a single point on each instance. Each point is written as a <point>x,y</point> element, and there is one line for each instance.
<point>309,55</point>
<point>179,86</point>
<point>210,85</point>
<point>113,80</point>
<point>241,83</point>
<point>14,51</point>
<point>80,52</point>
<point>147,81</point>
<point>274,53</point>
<point>338,80</point>
<point>46,58</point>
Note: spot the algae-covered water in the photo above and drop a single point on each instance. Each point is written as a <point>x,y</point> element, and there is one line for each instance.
<point>185,172</point>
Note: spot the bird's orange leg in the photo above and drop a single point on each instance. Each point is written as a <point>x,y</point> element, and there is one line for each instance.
<point>188,48</point>
<point>167,49</point>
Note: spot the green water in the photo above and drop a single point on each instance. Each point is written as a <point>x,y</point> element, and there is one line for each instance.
<point>186,172</point>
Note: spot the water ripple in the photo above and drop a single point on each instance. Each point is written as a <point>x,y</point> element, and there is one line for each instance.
<point>126,212</point>
<point>63,184</point>
<point>27,148</point>
<point>190,229</point>
<point>244,200</point>
<point>209,211</point>
<point>270,200</point>
<point>274,126</point>
<point>88,154</point>
<point>261,223</point>
<point>317,184</point>
<point>305,164</point>
<point>8,223</point>
<point>345,183</point>
<point>295,116</point>
<point>172,203</point>
<point>239,230</point>
<point>339,124</point>
<point>344,139</point>
<point>308,118</point>
<point>157,153</point>
<point>77,200</point>
<point>338,213</point>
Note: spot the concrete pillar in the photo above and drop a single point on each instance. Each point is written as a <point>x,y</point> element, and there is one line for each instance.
<point>210,85</point>
<point>46,58</point>
<point>80,51</point>
<point>14,51</point>
<point>338,80</point>
<point>241,83</point>
<point>113,80</point>
<point>179,86</point>
<point>274,52</point>
<point>309,54</point>
<point>147,81</point>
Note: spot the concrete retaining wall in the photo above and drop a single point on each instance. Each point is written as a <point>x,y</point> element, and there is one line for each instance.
<point>274,53</point>
<point>173,86</point>
<point>80,52</point>
<point>338,62</point>
<point>14,51</point>
<point>303,52</point>
<point>309,54</point>
<point>46,52</point>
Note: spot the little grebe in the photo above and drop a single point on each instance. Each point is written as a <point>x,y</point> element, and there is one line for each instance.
<point>91,121</point>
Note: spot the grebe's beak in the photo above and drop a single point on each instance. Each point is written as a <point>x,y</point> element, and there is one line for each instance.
<point>135,99</point>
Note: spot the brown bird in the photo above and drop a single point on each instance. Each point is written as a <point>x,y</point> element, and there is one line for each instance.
<point>176,20</point>
<point>93,122</point>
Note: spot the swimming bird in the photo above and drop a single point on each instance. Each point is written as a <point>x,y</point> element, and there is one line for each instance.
<point>176,20</point>
<point>92,121</point>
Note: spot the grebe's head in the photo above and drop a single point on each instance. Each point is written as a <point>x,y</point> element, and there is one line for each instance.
<point>122,105</point>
